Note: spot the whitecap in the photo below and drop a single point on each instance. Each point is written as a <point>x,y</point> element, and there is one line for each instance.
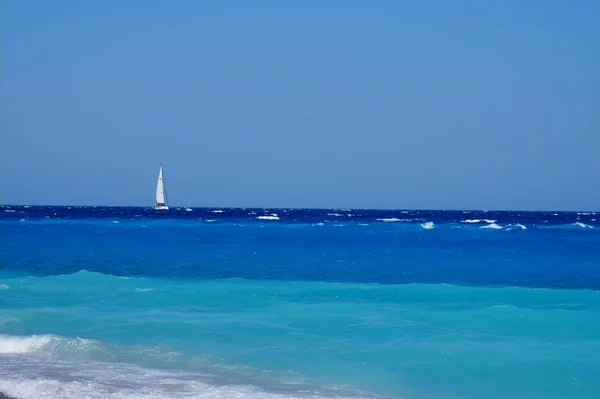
<point>583,225</point>
<point>428,225</point>
<point>516,226</point>
<point>491,226</point>
<point>268,217</point>
<point>15,344</point>
<point>10,344</point>
<point>478,221</point>
<point>4,287</point>
<point>388,220</point>
<point>218,211</point>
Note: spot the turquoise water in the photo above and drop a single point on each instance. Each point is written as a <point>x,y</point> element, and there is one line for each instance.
<point>84,316</point>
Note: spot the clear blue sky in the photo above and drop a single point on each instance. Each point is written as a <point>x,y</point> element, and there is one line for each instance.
<point>383,104</point>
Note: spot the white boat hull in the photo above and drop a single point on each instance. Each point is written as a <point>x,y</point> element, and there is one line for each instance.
<point>161,207</point>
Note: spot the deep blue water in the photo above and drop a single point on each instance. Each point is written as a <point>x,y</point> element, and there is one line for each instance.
<point>130,302</point>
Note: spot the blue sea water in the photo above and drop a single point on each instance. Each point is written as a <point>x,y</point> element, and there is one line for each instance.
<point>100,302</point>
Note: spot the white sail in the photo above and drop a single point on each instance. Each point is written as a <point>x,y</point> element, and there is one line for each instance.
<point>161,196</point>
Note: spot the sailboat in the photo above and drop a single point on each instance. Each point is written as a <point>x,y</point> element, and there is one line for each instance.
<point>161,194</point>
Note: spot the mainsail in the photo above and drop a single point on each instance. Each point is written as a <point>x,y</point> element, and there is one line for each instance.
<point>161,195</point>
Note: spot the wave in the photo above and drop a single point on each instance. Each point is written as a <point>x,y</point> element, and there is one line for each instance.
<point>84,280</point>
<point>146,384</point>
<point>490,221</point>
<point>50,366</point>
<point>42,344</point>
<point>286,221</point>
<point>428,225</point>
<point>516,226</point>
<point>492,226</point>
<point>268,217</point>
<point>571,226</point>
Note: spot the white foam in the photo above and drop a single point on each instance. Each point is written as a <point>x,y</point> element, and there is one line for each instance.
<point>4,287</point>
<point>10,210</point>
<point>516,226</point>
<point>218,211</point>
<point>42,344</point>
<point>12,344</point>
<point>144,289</point>
<point>478,221</point>
<point>583,225</point>
<point>188,209</point>
<point>29,377</point>
<point>334,214</point>
<point>155,387</point>
<point>115,221</point>
<point>428,225</point>
<point>390,220</point>
<point>491,226</point>
<point>268,217</point>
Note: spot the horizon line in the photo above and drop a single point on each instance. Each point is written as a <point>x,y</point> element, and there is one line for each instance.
<point>305,208</point>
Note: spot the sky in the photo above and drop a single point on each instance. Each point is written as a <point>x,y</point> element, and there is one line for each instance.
<point>325,104</point>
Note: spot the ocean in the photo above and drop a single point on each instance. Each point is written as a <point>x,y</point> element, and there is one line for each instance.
<point>101,302</point>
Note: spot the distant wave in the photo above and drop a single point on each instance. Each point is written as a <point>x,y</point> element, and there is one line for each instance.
<point>268,217</point>
<point>517,226</point>
<point>428,225</point>
<point>572,226</point>
<point>399,223</point>
<point>583,225</point>
<point>75,214</point>
<point>492,226</point>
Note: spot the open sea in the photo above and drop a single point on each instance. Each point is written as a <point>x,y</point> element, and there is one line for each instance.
<point>99,302</point>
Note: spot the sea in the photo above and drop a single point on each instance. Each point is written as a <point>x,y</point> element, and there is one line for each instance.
<point>125,302</point>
